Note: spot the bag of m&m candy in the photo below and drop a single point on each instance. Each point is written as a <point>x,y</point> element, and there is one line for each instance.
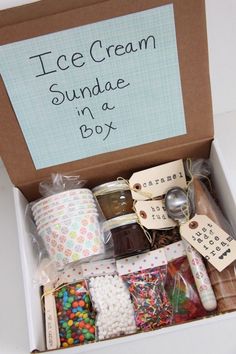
<point>76,317</point>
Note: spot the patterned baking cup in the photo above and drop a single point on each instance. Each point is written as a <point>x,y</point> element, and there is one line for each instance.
<point>64,214</point>
<point>63,218</point>
<point>73,239</point>
<point>69,205</point>
<point>74,193</point>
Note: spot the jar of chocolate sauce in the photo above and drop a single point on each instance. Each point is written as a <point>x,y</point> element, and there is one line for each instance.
<point>114,198</point>
<point>127,235</point>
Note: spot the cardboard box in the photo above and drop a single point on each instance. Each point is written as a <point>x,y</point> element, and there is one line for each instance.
<point>48,16</point>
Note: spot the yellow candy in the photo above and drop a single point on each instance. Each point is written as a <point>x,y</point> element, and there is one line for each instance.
<point>70,341</point>
<point>65,345</point>
<point>85,315</point>
<point>70,323</point>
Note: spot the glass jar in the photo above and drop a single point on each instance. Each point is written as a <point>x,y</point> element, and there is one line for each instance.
<point>127,235</point>
<point>114,198</point>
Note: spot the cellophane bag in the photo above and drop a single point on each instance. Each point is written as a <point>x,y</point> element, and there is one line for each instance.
<point>180,286</point>
<point>68,222</point>
<point>224,282</point>
<point>75,313</point>
<point>111,300</point>
<point>145,277</point>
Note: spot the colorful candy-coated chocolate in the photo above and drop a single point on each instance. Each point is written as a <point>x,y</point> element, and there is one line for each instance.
<point>76,318</point>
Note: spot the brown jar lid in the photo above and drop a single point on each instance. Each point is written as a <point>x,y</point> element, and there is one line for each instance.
<point>110,187</point>
<point>120,221</point>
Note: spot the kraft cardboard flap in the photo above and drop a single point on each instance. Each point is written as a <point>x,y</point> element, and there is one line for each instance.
<point>194,72</point>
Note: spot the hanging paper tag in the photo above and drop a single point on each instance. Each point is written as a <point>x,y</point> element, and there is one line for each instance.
<point>210,241</point>
<point>152,214</point>
<point>140,262</point>
<point>156,181</point>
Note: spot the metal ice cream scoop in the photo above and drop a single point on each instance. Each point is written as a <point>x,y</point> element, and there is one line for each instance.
<point>178,205</point>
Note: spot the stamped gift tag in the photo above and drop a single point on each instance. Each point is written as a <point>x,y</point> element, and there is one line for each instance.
<point>156,181</point>
<point>213,243</point>
<point>152,214</point>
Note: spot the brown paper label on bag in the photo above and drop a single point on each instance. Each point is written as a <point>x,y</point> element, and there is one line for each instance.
<point>213,243</point>
<point>152,214</point>
<point>156,181</point>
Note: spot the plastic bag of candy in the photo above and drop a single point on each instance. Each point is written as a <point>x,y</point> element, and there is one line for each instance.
<point>75,314</point>
<point>111,300</point>
<point>180,286</point>
<point>145,277</point>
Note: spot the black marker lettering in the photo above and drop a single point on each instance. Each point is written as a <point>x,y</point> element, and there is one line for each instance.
<point>110,127</point>
<point>92,50</point>
<point>59,59</point>
<point>60,98</point>
<point>85,131</point>
<point>45,72</point>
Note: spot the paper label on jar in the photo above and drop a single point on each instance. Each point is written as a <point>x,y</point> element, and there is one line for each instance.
<point>156,181</point>
<point>142,261</point>
<point>213,243</point>
<point>152,214</point>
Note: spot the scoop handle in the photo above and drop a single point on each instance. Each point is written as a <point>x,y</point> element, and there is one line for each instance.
<point>201,278</point>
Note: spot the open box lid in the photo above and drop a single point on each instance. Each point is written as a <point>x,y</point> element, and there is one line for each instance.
<point>46,17</point>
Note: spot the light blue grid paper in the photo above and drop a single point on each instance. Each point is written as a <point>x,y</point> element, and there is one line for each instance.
<point>149,109</point>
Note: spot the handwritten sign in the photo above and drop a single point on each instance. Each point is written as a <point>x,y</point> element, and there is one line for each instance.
<point>96,88</point>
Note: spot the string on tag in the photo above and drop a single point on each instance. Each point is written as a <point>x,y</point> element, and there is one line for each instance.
<point>147,195</point>
<point>147,234</point>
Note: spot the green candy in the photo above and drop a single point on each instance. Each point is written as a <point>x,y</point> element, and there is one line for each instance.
<point>87,320</point>
<point>91,321</point>
<point>87,299</point>
<point>84,330</point>
<point>92,336</point>
<point>64,325</point>
<point>87,336</point>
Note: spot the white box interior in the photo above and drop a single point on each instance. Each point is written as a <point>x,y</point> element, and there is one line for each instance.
<point>191,334</point>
